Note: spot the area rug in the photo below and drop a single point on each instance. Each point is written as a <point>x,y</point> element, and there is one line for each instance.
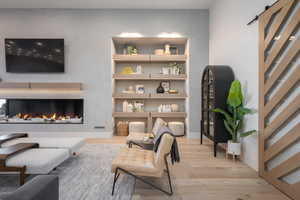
<point>86,177</point>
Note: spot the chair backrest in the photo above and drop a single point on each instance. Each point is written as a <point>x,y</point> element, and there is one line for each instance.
<point>158,123</point>
<point>164,148</point>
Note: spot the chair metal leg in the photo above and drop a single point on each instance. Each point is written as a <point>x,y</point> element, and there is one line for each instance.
<point>168,173</point>
<point>170,193</point>
<point>151,184</point>
<point>115,180</point>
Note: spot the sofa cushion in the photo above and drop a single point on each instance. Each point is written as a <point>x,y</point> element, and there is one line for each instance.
<point>39,161</point>
<point>45,187</point>
<point>72,144</point>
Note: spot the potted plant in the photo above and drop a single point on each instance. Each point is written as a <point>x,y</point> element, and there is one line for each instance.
<point>234,117</point>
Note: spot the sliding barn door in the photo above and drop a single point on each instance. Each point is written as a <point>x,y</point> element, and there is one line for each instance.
<point>279,90</point>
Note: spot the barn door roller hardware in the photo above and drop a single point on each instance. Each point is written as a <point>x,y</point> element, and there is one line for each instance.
<point>257,16</point>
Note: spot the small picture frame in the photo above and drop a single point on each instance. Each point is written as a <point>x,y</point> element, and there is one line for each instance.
<point>166,85</point>
<point>139,89</point>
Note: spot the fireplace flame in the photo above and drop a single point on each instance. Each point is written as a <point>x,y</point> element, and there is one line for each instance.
<point>53,117</point>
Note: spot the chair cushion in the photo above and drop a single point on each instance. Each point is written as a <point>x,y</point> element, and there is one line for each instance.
<point>72,144</point>
<point>39,161</point>
<point>137,161</point>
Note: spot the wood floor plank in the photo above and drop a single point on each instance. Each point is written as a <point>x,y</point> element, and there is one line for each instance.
<point>200,175</point>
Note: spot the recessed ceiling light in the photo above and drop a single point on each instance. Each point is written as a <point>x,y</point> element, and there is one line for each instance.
<point>169,35</point>
<point>133,34</point>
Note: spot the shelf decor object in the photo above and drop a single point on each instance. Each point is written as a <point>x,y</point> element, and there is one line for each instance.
<point>158,71</point>
<point>160,89</point>
<point>216,81</point>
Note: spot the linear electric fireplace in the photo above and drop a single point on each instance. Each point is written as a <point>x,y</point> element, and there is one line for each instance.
<point>41,111</point>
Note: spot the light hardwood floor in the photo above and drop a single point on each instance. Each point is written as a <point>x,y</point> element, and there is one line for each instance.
<point>200,176</point>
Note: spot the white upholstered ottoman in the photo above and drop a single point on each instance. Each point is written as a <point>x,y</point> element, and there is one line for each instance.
<point>39,161</point>
<point>177,128</point>
<point>71,144</point>
<point>136,127</point>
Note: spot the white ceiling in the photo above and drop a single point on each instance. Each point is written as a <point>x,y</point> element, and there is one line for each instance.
<point>107,4</point>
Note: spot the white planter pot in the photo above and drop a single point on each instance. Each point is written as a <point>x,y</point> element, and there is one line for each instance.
<point>234,148</point>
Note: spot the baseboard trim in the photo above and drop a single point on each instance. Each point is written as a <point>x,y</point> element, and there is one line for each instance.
<point>67,134</point>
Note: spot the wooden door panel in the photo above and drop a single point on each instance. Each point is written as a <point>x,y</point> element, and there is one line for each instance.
<point>279,100</point>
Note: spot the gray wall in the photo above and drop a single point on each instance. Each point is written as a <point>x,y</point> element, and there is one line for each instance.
<point>234,43</point>
<point>239,48</point>
<point>87,35</point>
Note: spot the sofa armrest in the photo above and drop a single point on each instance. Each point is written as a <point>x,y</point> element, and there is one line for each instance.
<point>44,187</point>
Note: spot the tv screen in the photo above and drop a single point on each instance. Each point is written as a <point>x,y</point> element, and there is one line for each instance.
<point>34,55</point>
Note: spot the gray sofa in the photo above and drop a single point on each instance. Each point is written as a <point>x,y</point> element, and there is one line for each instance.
<point>43,187</point>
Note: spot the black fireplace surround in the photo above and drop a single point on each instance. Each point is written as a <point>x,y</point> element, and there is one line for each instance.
<point>41,111</point>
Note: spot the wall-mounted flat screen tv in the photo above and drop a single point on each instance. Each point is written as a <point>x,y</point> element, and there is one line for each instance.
<point>35,55</point>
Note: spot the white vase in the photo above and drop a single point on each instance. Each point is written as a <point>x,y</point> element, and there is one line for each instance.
<point>130,108</point>
<point>174,107</point>
<point>234,148</point>
<point>167,49</point>
<point>125,106</point>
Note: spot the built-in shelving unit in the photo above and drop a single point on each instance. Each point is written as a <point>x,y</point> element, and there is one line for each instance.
<point>151,77</point>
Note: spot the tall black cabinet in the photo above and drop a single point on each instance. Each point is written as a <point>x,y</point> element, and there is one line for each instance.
<point>216,81</point>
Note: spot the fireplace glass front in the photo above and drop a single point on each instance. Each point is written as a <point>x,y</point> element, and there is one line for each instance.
<point>40,111</point>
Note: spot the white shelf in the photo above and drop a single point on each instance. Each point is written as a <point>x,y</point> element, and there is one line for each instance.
<point>149,96</point>
<point>169,114</point>
<point>149,58</point>
<point>131,114</point>
<point>131,96</point>
<point>131,76</point>
<point>181,77</point>
<point>149,40</point>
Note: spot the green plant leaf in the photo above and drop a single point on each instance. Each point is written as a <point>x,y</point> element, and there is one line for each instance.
<point>235,96</point>
<point>240,124</point>
<point>227,116</point>
<point>230,109</point>
<point>228,128</point>
<point>244,111</point>
<point>245,134</point>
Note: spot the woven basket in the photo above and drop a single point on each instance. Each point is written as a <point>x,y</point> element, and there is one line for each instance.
<point>122,128</point>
